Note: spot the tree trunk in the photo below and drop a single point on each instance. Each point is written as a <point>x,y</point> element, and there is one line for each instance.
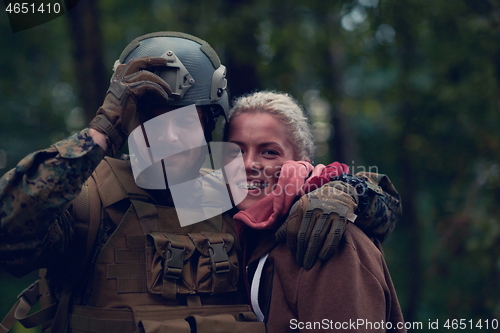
<point>407,113</point>
<point>91,74</point>
<point>242,71</point>
<point>343,145</point>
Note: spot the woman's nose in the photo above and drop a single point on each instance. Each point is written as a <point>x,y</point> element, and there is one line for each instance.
<point>251,164</point>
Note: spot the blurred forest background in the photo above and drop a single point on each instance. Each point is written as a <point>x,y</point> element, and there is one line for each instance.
<point>409,88</point>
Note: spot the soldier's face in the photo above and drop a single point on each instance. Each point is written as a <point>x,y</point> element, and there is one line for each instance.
<point>180,139</point>
<point>173,141</point>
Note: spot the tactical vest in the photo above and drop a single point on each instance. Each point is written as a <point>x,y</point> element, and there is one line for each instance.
<point>151,275</point>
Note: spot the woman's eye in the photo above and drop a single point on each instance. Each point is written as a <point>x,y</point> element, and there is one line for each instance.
<point>270,153</point>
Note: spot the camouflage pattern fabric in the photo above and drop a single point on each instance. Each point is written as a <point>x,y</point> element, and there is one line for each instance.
<point>34,197</point>
<point>383,210</point>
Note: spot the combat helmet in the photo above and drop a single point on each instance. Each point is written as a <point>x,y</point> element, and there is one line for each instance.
<point>195,73</point>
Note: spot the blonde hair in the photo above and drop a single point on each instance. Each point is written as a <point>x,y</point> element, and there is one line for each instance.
<point>285,108</point>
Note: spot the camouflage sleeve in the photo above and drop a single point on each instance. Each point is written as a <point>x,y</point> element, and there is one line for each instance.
<point>383,206</point>
<point>34,198</point>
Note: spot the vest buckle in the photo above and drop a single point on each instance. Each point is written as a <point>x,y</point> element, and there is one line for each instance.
<point>172,267</point>
<point>218,258</point>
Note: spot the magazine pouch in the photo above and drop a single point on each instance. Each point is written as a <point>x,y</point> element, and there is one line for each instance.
<point>192,263</point>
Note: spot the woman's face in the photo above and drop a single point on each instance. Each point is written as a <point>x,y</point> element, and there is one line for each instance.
<point>265,144</point>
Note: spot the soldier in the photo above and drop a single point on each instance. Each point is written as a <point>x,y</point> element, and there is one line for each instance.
<point>114,256</point>
<point>117,258</point>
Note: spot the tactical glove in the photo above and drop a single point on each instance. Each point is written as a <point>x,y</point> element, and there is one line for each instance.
<point>132,84</point>
<point>317,222</point>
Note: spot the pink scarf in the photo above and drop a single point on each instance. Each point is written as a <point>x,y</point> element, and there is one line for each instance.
<point>296,179</point>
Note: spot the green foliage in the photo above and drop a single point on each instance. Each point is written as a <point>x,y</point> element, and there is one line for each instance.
<point>35,89</point>
<point>438,111</point>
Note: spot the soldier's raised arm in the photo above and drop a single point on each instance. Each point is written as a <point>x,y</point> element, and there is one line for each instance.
<point>35,226</point>
<point>33,197</point>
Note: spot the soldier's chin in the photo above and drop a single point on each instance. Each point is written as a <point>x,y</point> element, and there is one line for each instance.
<point>179,174</point>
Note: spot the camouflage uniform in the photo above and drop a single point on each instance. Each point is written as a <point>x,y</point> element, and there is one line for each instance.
<point>382,207</point>
<point>34,199</point>
<point>39,229</point>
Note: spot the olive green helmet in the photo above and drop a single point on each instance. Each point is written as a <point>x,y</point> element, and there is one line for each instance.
<point>194,72</point>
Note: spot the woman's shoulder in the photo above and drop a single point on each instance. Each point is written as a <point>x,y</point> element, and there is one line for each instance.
<point>356,239</point>
<point>358,247</point>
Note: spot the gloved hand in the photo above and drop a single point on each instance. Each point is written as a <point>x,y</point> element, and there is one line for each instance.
<point>317,222</point>
<point>131,83</point>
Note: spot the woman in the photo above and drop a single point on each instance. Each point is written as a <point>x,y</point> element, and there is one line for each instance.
<point>352,291</point>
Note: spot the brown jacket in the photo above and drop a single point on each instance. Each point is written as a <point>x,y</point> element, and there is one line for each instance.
<point>352,292</point>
